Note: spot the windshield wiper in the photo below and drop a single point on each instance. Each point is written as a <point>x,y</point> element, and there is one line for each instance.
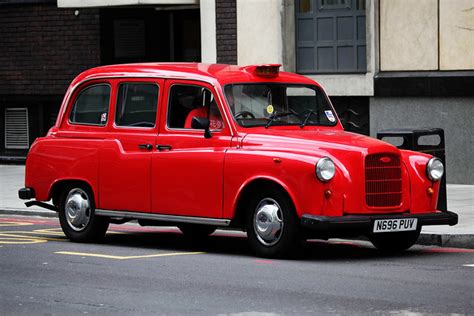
<point>306,118</point>
<point>273,117</point>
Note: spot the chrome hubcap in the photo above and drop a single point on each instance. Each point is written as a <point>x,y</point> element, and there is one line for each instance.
<point>268,222</point>
<point>77,209</point>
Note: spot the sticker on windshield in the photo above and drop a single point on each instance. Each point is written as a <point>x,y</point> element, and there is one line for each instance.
<point>270,109</point>
<point>330,116</point>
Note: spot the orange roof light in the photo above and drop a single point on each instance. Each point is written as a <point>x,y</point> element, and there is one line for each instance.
<point>268,70</point>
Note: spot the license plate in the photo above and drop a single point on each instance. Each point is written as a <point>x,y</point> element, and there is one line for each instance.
<point>395,225</point>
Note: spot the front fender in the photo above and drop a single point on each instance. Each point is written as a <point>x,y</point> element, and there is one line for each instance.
<point>421,201</point>
<point>293,172</point>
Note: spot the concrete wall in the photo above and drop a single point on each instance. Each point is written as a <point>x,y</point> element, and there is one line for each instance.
<point>259,32</point>
<point>456,34</point>
<point>208,31</point>
<point>454,115</point>
<point>408,35</point>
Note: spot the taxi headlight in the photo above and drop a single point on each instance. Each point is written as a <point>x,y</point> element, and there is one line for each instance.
<point>434,169</point>
<point>325,169</point>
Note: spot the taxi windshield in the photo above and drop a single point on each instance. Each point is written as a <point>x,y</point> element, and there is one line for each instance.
<point>279,104</point>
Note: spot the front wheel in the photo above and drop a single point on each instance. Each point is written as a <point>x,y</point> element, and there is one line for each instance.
<point>272,224</point>
<point>77,217</point>
<point>394,242</point>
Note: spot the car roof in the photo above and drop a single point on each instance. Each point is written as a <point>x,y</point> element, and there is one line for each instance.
<point>212,73</point>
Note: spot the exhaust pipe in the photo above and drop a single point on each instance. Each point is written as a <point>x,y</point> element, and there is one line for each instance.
<point>42,204</point>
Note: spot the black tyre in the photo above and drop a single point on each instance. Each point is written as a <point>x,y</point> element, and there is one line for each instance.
<point>197,231</point>
<point>394,242</point>
<point>76,215</point>
<point>272,225</point>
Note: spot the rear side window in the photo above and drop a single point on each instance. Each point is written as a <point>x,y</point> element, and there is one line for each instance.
<point>91,106</point>
<point>136,105</point>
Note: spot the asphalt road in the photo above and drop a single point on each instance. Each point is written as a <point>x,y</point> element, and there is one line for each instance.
<point>159,271</point>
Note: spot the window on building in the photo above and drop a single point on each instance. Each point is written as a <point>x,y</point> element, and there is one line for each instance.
<point>187,102</point>
<point>335,4</point>
<point>91,106</point>
<point>136,105</point>
<point>330,36</point>
<point>16,128</point>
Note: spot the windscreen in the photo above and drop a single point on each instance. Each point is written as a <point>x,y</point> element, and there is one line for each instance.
<point>279,104</point>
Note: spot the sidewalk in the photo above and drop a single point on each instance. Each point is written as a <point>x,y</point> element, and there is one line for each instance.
<point>460,201</point>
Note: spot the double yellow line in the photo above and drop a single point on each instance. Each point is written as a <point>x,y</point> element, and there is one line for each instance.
<point>19,238</point>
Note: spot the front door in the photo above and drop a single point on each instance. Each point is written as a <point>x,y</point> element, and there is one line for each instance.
<point>187,168</point>
<point>125,161</point>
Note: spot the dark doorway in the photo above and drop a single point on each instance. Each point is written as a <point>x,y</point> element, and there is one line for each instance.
<point>353,113</point>
<point>151,34</point>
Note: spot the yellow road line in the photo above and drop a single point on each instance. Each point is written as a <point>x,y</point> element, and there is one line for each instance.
<point>12,239</point>
<point>98,255</point>
<point>18,233</point>
<point>51,232</point>
<point>57,230</point>
<point>7,224</point>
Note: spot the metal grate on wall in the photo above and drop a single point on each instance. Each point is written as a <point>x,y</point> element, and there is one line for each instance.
<point>16,128</point>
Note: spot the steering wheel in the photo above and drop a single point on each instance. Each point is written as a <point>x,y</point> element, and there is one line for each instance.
<point>142,124</point>
<point>244,114</point>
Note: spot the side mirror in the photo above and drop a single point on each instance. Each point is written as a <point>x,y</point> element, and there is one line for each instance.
<point>202,123</point>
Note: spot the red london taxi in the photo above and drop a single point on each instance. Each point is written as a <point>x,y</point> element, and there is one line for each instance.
<point>203,146</point>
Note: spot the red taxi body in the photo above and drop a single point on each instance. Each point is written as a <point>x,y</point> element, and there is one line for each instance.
<point>205,146</point>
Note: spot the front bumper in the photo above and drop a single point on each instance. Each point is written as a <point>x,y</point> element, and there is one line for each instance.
<point>353,225</point>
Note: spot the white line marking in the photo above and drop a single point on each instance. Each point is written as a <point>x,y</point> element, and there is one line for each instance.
<point>99,255</point>
<point>468,265</point>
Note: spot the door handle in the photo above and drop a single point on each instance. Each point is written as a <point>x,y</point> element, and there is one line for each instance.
<point>146,146</point>
<point>163,147</point>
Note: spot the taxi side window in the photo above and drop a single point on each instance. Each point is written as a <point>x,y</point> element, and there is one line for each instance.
<point>136,105</point>
<point>187,102</point>
<point>91,106</point>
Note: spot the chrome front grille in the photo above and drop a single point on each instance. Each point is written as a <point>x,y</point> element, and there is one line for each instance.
<point>383,180</point>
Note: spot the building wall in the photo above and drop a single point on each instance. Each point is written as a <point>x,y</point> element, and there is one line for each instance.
<point>226,31</point>
<point>43,48</point>
<point>108,3</point>
<point>259,32</point>
<point>208,31</point>
<point>454,115</point>
<point>408,35</point>
<point>426,35</point>
<point>456,34</point>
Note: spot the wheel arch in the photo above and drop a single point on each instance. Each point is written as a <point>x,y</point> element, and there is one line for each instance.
<point>58,186</point>
<point>251,186</point>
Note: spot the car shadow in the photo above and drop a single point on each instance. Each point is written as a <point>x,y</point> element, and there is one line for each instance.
<point>230,244</point>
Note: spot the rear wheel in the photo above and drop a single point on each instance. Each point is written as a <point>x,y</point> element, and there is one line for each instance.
<point>394,242</point>
<point>77,217</point>
<point>196,230</point>
<point>272,224</point>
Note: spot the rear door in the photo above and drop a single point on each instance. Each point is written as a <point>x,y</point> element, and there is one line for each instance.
<point>125,162</point>
<point>187,168</point>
